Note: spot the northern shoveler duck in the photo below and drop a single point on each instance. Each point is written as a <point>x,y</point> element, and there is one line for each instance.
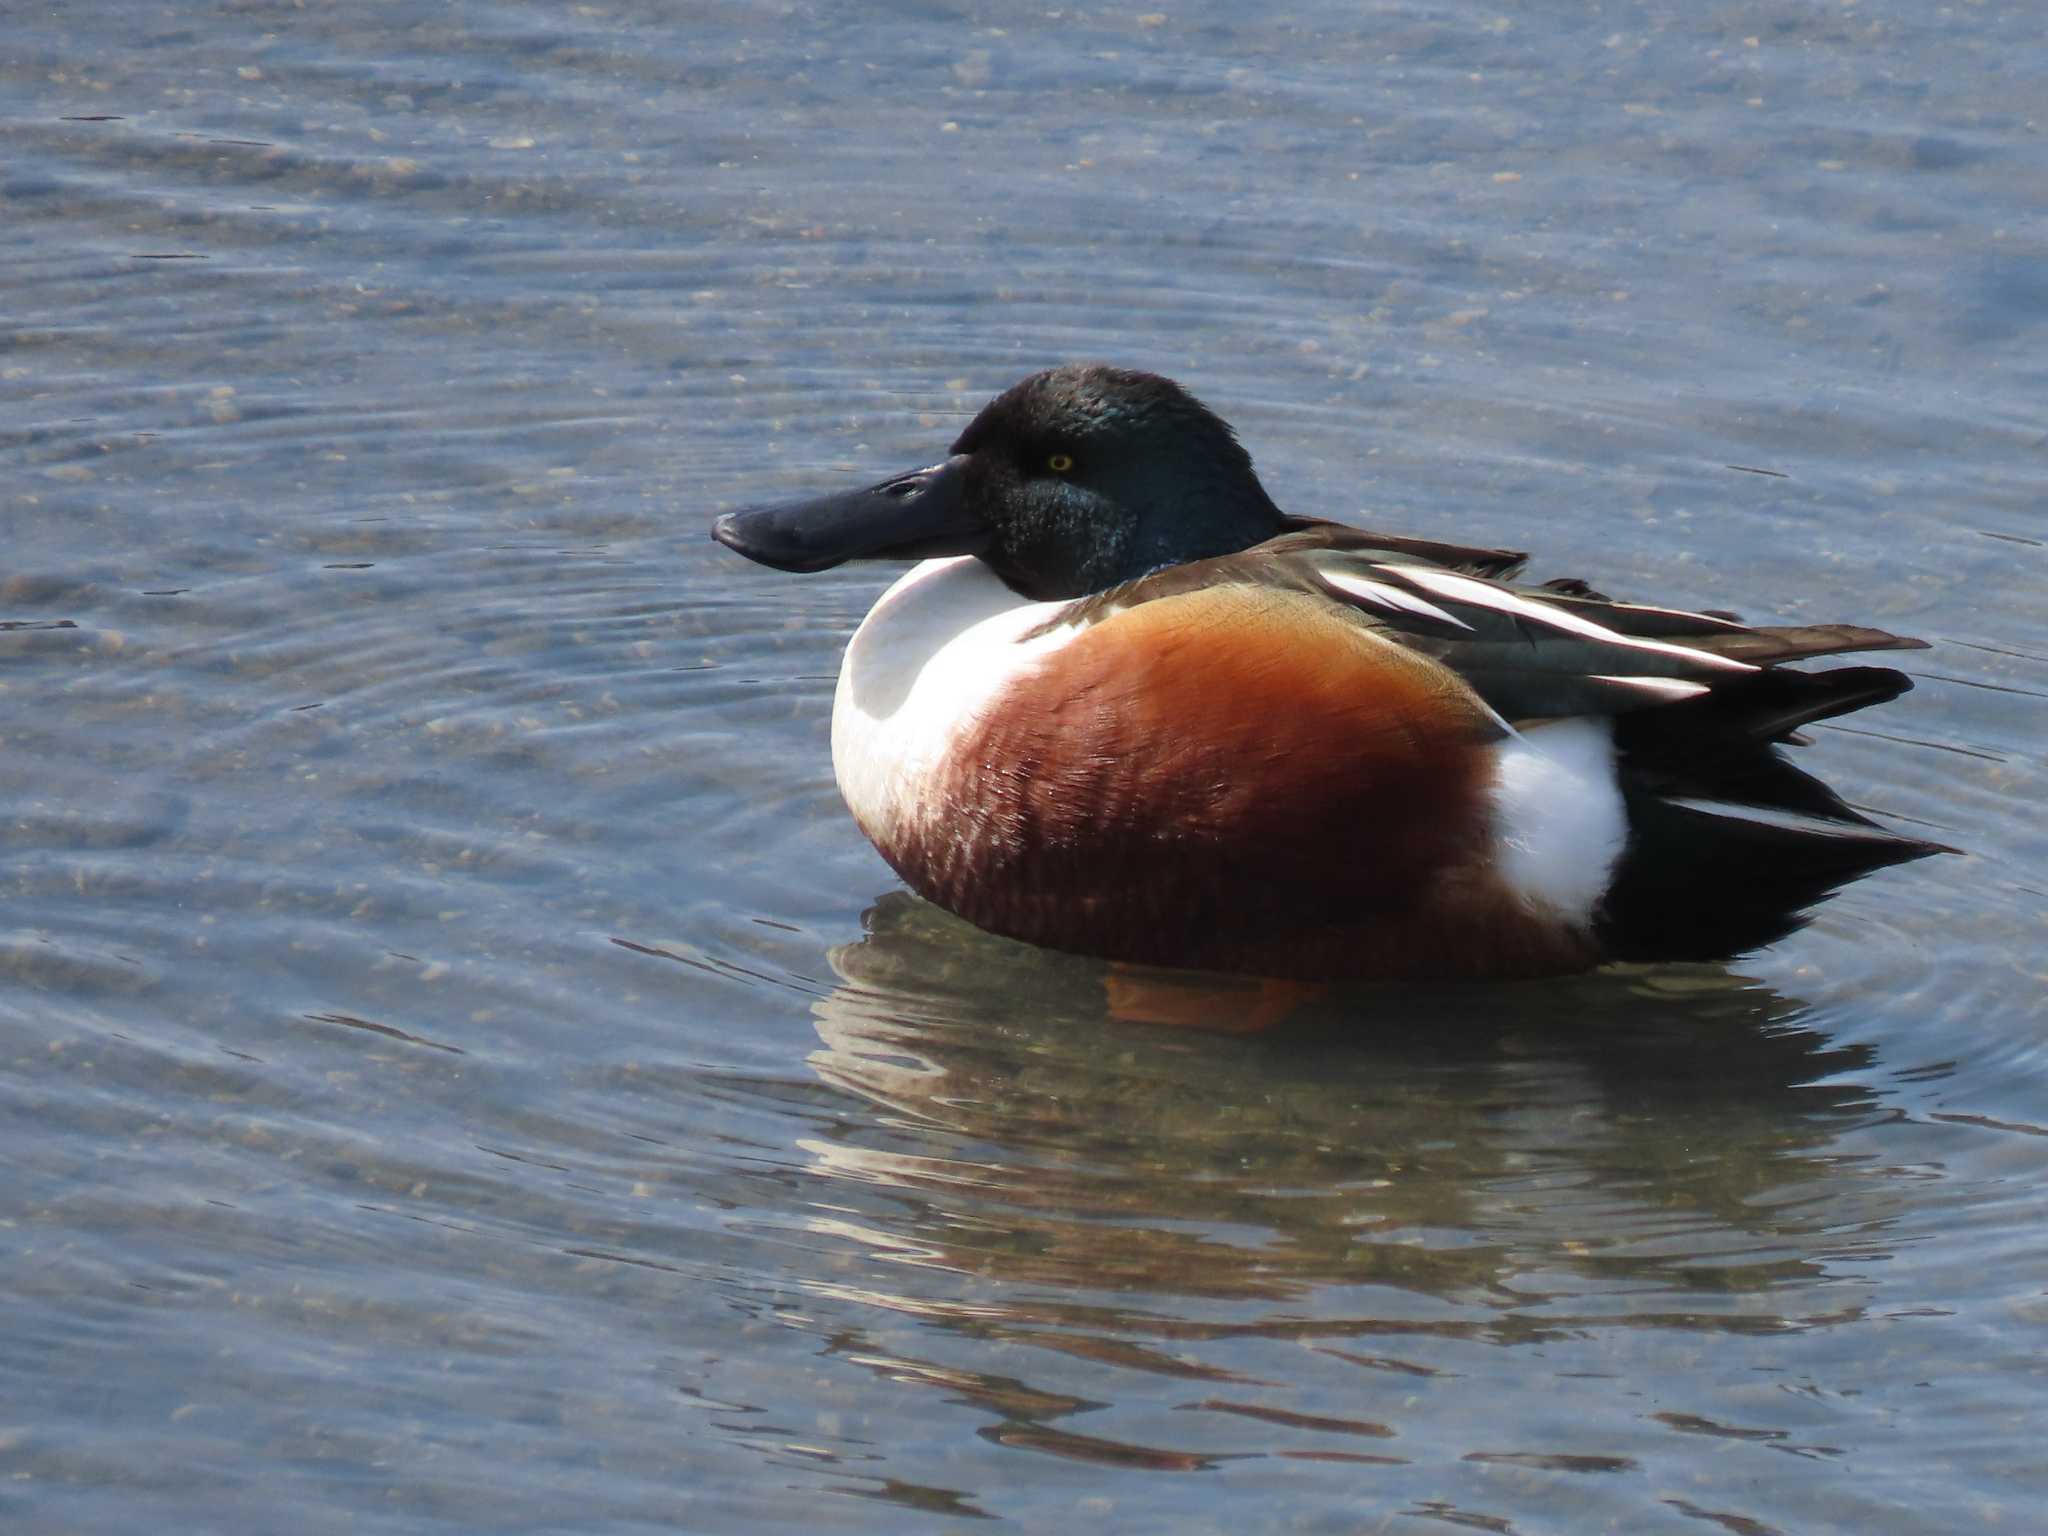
<point>1126,706</point>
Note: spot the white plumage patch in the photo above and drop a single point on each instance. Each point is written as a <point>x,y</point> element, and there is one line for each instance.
<point>1380,595</point>
<point>1559,822</point>
<point>1483,594</point>
<point>1668,689</point>
<point>926,663</point>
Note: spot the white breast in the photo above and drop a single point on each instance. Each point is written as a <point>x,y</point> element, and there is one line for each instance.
<point>927,662</point>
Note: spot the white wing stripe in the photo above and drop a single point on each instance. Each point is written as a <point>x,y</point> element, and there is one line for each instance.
<point>1380,595</point>
<point>1673,688</point>
<point>1465,589</point>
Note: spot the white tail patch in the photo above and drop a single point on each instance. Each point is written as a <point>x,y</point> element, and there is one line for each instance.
<point>1559,822</point>
<point>1484,594</point>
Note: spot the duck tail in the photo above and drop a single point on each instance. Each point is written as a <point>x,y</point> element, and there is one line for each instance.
<point>1728,843</point>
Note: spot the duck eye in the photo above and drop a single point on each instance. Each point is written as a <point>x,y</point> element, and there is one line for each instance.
<point>1060,463</point>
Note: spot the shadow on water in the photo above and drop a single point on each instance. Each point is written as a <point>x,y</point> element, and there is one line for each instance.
<point>1391,1181</point>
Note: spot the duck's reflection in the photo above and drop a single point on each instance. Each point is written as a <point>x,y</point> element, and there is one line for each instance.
<point>1385,1173</point>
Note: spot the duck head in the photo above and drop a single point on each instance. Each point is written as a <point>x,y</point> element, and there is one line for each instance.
<point>1068,483</point>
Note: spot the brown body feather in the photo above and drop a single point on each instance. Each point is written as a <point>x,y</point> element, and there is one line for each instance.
<point>1234,778</point>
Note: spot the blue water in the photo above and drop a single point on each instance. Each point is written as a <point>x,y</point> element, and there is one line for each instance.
<point>463,1070</point>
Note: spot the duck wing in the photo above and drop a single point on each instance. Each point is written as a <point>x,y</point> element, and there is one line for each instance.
<point>1539,652</point>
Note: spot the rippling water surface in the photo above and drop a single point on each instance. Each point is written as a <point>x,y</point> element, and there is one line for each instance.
<point>463,1069</point>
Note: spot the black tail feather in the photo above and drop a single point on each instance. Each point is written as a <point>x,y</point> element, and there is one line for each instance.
<point>1719,747</point>
<point>1699,884</point>
<point>1693,885</point>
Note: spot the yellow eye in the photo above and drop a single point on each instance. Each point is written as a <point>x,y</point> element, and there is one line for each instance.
<point>1060,463</point>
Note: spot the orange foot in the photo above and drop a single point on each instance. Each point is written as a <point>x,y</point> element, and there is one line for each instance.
<point>1206,1000</point>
